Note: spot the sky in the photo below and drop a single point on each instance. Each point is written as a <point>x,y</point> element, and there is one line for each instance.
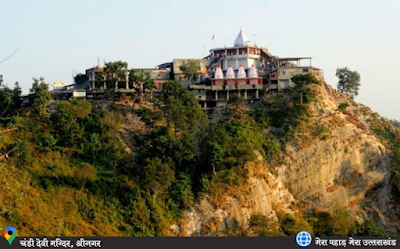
<point>59,38</point>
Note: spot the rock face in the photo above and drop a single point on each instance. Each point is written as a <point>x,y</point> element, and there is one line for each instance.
<point>340,169</point>
<point>345,165</point>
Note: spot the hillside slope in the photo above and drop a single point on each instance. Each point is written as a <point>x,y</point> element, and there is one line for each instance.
<point>335,161</point>
<point>163,168</point>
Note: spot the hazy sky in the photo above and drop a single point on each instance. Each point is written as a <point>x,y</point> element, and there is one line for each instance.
<point>57,37</point>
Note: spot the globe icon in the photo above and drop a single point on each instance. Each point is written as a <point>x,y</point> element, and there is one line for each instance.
<point>303,238</point>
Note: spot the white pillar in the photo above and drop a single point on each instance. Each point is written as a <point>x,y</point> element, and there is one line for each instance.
<point>205,104</point>
<point>257,94</point>
<point>245,94</point>
<point>227,94</point>
<point>127,81</point>
<point>216,95</point>
<point>93,81</point>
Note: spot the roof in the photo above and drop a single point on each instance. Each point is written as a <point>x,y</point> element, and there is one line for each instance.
<point>294,58</point>
<point>241,39</point>
<point>244,46</point>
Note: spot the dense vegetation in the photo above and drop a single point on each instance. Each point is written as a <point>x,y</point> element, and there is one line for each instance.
<point>71,172</point>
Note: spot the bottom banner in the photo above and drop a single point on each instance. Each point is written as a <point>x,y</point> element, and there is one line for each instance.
<point>303,239</point>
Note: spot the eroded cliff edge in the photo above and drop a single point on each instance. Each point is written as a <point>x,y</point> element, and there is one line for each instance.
<point>335,161</point>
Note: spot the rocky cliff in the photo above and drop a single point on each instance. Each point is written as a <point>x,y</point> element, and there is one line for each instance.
<point>335,161</point>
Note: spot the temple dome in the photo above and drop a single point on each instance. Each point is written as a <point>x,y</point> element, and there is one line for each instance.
<point>229,73</point>
<point>253,72</point>
<point>218,73</point>
<point>241,39</point>
<point>241,72</point>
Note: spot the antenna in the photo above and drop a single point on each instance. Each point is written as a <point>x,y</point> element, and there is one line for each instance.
<point>98,60</point>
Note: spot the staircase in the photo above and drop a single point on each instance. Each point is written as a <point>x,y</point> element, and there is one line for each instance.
<point>213,64</point>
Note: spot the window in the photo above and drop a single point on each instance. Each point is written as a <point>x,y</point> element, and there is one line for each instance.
<point>305,70</point>
<point>283,72</point>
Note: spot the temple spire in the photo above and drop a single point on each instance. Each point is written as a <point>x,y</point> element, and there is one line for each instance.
<point>241,39</point>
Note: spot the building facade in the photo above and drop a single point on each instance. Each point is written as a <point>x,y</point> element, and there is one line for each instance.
<point>246,70</point>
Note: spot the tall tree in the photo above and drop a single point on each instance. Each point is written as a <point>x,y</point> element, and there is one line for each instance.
<point>115,72</point>
<point>65,119</point>
<point>156,176</point>
<point>10,99</point>
<point>80,78</point>
<point>349,81</point>
<point>40,95</point>
<point>140,80</point>
<point>301,80</point>
<point>181,108</point>
<point>191,70</point>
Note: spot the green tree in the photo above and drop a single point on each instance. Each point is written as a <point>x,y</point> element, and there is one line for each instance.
<point>95,145</point>
<point>349,81</point>
<point>80,78</point>
<point>344,222</point>
<point>10,99</point>
<point>181,109</point>
<point>65,119</point>
<point>85,173</point>
<point>292,225</point>
<point>140,80</point>
<point>191,69</point>
<point>40,95</point>
<point>156,177</point>
<point>115,72</point>
<point>261,225</point>
<point>368,228</point>
<point>301,80</point>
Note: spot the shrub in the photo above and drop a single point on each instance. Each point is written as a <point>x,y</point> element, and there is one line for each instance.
<point>342,106</point>
<point>261,225</point>
<point>292,225</point>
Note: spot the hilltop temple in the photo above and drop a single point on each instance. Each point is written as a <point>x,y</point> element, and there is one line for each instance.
<point>244,70</point>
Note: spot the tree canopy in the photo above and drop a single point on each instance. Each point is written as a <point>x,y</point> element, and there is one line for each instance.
<point>114,72</point>
<point>191,69</point>
<point>80,78</point>
<point>349,81</point>
<point>10,99</point>
<point>301,80</point>
<point>140,80</point>
<point>40,95</point>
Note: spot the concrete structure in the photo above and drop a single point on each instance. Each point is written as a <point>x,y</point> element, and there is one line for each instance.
<point>281,79</point>
<point>97,83</point>
<point>242,53</point>
<point>59,84</point>
<point>94,75</point>
<point>246,70</point>
<point>68,94</point>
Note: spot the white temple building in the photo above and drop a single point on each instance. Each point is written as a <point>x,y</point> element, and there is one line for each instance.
<point>59,84</point>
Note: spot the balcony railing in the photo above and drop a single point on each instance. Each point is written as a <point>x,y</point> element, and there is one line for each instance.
<point>236,82</point>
